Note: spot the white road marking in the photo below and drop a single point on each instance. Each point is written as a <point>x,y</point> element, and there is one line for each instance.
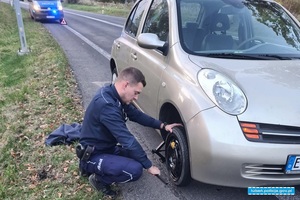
<point>92,18</point>
<point>93,45</point>
<point>101,84</point>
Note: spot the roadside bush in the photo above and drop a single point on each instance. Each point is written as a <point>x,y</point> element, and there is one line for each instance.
<point>73,1</point>
<point>103,1</point>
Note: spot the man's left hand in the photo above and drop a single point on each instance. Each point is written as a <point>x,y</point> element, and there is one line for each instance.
<point>169,127</point>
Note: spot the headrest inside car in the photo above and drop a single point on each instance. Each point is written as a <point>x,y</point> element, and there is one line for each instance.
<point>220,22</point>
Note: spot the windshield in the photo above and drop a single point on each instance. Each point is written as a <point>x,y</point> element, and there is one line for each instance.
<point>245,27</point>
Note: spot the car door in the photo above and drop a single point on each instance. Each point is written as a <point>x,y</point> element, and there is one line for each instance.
<point>122,46</point>
<point>152,62</point>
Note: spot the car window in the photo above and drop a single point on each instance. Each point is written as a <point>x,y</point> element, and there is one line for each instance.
<point>237,22</point>
<point>157,20</point>
<point>189,22</point>
<point>190,12</point>
<point>237,27</point>
<point>277,27</point>
<point>133,22</point>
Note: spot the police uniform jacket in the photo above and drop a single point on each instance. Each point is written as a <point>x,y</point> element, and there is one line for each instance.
<point>104,125</point>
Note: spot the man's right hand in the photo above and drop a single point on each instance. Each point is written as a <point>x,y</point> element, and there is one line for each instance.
<point>154,170</point>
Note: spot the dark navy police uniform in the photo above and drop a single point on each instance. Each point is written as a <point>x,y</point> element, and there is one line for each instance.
<point>104,127</point>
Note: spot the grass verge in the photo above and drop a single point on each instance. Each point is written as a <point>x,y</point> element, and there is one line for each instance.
<point>38,93</point>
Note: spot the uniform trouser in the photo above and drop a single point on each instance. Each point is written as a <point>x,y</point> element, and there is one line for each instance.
<point>113,168</point>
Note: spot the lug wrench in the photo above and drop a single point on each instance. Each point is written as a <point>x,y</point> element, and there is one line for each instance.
<point>162,180</point>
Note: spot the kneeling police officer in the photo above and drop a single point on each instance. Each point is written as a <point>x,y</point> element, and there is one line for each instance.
<point>108,152</point>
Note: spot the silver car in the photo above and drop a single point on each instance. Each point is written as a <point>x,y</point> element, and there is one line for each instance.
<point>229,71</point>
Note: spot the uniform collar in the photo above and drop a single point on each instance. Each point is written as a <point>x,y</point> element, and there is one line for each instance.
<point>116,94</point>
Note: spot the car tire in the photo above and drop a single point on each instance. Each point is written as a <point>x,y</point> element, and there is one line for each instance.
<point>177,157</point>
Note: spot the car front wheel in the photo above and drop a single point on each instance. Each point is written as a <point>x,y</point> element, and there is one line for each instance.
<point>177,157</point>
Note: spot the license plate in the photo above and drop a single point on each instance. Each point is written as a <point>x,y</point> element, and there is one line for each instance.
<point>293,164</point>
<point>49,17</point>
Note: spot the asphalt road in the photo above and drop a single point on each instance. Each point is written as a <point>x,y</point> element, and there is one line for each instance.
<point>86,41</point>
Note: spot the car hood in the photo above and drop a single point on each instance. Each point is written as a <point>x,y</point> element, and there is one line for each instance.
<point>47,3</point>
<point>272,88</point>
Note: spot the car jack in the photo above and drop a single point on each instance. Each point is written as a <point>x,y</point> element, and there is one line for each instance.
<point>157,151</point>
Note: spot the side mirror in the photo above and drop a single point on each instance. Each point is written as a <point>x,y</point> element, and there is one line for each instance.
<point>151,41</point>
<point>29,0</point>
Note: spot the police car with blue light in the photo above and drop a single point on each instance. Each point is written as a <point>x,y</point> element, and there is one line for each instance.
<point>46,10</point>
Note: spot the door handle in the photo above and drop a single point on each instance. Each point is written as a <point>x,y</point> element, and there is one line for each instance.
<point>134,56</point>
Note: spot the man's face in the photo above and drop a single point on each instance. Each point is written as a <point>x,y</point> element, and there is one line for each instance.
<point>131,92</point>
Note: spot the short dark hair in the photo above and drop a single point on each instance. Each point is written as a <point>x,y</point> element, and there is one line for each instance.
<point>132,75</point>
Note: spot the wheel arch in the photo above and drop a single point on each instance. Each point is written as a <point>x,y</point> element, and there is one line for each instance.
<point>170,114</point>
<point>112,65</point>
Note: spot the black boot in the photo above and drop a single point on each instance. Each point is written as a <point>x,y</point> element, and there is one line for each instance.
<point>83,173</point>
<point>101,187</point>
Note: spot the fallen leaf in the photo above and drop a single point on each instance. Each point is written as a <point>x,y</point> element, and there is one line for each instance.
<point>65,169</point>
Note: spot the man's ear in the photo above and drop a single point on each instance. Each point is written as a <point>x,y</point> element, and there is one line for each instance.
<point>124,85</point>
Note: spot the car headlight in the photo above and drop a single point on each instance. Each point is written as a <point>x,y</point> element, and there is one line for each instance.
<point>59,6</point>
<point>36,5</point>
<point>222,91</point>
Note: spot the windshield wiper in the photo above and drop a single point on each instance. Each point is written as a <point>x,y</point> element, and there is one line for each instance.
<point>247,56</point>
<point>275,56</point>
<point>234,56</point>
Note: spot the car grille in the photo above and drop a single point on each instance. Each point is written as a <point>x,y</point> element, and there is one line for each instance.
<point>261,171</point>
<point>52,7</point>
<point>48,12</point>
<point>258,132</point>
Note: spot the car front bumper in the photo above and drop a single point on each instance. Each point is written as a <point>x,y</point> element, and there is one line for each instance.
<point>221,155</point>
<point>48,14</point>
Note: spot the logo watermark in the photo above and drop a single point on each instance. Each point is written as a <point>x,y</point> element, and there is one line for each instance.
<point>271,190</point>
